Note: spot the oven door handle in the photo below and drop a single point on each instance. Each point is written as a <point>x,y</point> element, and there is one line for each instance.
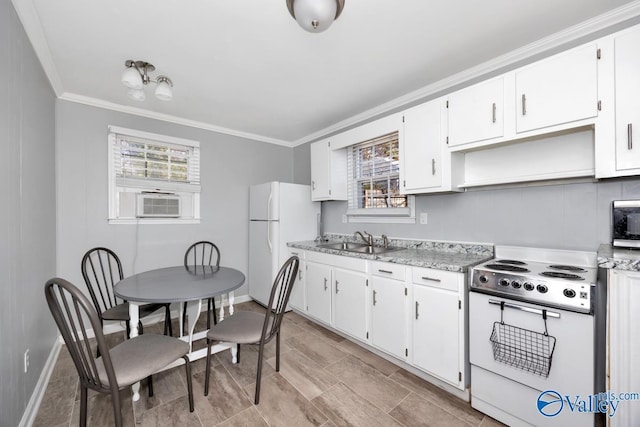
<point>523,308</point>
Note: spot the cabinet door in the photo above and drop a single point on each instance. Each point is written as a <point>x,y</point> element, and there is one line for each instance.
<point>436,330</point>
<point>349,302</point>
<point>421,148</point>
<point>388,315</point>
<point>296,299</point>
<point>627,84</point>
<point>318,288</point>
<point>624,342</point>
<point>561,89</point>
<point>320,170</point>
<point>477,113</point>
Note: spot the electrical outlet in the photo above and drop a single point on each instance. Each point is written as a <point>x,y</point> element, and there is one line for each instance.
<point>26,361</point>
<point>344,218</point>
<point>423,217</point>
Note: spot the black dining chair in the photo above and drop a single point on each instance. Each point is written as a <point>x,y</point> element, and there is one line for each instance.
<point>101,270</point>
<point>248,327</point>
<point>123,365</point>
<point>202,253</point>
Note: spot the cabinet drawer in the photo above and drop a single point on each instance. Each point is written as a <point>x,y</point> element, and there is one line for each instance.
<point>349,263</point>
<point>388,269</point>
<point>436,278</point>
<point>297,252</point>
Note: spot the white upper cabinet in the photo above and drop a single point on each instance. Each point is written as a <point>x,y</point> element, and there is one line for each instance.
<point>328,172</point>
<point>426,165</point>
<point>476,113</point>
<point>627,95</point>
<point>557,90</point>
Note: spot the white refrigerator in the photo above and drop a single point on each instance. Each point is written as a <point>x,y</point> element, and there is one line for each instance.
<point>279,212</point>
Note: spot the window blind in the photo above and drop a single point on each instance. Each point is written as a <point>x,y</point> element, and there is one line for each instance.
<point>374,174</point>
<point>145,163</point>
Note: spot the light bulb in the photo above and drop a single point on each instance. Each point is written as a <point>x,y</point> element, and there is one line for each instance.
<point>315,16</point>
<point>163,90</point>
<point>131,78</point>
<point>136,94</point>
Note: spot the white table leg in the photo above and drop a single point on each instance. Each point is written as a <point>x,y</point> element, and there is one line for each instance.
<point>193,312</point>
<point>134,317</point>
<point>221,310</point>
<point>232,299</point>
<point>234,353</point>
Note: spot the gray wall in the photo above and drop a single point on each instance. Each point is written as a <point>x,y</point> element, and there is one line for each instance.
<point>229,165</point>
<point>302,164</point>
<point>567,216</point>
<point>27,216</point>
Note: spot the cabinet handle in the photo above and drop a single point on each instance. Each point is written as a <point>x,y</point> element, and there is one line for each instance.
<point>374,298</point>
<point>325,283</point>
<point>299,274</point>
<point>494,112</point>
<point>431,279</point>
<point>433,166</point>
<point>524,105</point>
<point>336,286</point>
<point>385,271</point>
<point>313,185</point>
<point>630,136</point>
<point>417,315</point>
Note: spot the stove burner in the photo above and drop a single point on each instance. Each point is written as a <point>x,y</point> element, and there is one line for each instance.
<point>507,267</point>
<point>560,275</point>
<point>568,268</point>
<point>510,261</point>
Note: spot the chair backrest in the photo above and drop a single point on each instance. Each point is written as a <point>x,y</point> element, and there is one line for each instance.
<point>74,314</point>
<point>101,269</point>
<point>279,298</point>
<point>201,254</point>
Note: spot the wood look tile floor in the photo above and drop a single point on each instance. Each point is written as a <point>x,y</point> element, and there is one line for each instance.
<point>324,380</point>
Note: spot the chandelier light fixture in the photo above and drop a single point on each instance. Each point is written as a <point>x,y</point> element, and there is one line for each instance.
<point>315,16</point>
<point>136,77</point>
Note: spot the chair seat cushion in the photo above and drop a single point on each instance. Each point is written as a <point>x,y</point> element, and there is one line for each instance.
<point>243,327</point>
<point>121,311</point>
<point>142,356</point>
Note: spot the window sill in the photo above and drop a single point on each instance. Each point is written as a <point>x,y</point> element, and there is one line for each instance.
<point>154,221</point>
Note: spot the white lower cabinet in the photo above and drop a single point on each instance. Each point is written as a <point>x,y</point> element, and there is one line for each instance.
<point>438,324</point>
<point>318,291</point>
<point>349,299</point>
<point>623,342</point>
<point>414,314</point>
<point>297,297</point>
<point>388,309</point>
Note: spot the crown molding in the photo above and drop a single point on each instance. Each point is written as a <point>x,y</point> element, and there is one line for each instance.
<point>94,102</point>
<point>572,34</point>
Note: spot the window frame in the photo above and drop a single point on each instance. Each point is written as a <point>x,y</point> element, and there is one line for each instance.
<point>376,215</point>
<point>118,185</point>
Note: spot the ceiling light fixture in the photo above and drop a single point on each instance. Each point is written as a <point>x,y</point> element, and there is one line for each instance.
<point>136,76</point>
<point>315,16</point>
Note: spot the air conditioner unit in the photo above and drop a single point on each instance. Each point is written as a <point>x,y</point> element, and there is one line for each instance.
<point>157,205</point>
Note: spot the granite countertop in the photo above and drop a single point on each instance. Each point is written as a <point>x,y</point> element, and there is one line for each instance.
<point>449,256</point>
<point>618,258</point>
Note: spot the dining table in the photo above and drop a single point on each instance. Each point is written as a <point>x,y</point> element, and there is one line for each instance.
<point>185,285</point>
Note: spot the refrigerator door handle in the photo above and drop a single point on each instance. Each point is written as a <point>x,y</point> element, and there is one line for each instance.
<point>269,222</point>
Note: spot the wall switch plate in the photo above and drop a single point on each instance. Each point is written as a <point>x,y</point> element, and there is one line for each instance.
<point>344,218</point>
<point>423,217</point>
<point>26,361</point>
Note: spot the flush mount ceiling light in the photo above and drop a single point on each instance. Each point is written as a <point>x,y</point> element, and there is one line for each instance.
<point>315,16</point>
<point>136,76</point>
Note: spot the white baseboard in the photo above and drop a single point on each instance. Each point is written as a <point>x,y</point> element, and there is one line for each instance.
<point>31,411</point>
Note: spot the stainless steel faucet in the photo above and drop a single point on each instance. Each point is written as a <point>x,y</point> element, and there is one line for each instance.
<point>385,241</point>
<point>368,239</point>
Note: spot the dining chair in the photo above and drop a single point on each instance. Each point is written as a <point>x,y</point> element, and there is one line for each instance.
<point>248,327</point>
<point>101,270</point>
<point>118,367</point>
<point>202,253</point>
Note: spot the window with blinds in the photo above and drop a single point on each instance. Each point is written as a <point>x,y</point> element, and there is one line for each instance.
<point>156,167</point>
<point>374,178</point>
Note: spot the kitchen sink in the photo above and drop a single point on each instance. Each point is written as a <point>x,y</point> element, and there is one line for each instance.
<point>361,248</point>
